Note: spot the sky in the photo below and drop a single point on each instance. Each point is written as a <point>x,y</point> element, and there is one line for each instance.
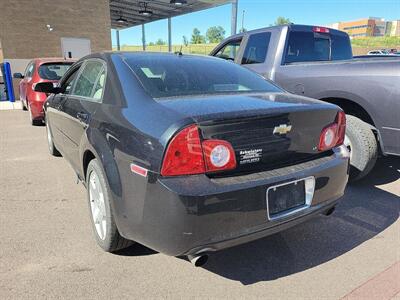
<point>262,13</point>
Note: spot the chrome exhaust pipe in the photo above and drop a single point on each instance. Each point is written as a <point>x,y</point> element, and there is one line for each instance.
<point>198,260</point>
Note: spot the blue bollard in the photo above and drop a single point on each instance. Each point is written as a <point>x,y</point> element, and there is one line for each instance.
<point>8,80</point>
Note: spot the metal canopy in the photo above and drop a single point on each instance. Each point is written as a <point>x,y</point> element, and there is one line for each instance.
<point>128,13</point>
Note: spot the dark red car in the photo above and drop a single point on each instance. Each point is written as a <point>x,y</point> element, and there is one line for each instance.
<point>39,70</point>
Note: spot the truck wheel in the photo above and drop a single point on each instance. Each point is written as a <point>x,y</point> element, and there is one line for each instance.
<point>52,148</point>
<point>102,219</point>
<point>363,147</point>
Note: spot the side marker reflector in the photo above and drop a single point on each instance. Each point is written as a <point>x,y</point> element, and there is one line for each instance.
<point>139,170</point>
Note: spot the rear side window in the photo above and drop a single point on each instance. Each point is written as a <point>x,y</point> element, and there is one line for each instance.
<point>341,47</point>
<point>256,48</point>
<point>29,70</point>
<point>87,83</point>
<point>309,46</point>
<point>53,71</point>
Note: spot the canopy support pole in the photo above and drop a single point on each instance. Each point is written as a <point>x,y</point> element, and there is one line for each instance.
<point>143,38</point>
<point>169,35</point>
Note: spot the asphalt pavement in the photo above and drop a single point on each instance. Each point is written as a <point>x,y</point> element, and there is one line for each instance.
<point>47,249</point>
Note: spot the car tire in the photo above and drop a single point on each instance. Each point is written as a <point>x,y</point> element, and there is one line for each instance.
<point>34,122</point>
<point>101,214</point>
<point>52,148</point>
<point>363,147</point>
<point>23,105</point>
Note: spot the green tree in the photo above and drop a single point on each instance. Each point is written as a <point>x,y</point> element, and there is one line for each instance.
<point>215,34</point>
<point>160,42</point>
<point>242,30</point>
<point>151,44</point>
<point>197,38</point>
<point>185,40</point>
<point>282,21</point>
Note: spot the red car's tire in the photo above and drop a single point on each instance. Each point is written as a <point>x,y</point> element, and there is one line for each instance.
<point>23,105</point>
<point>34,122</point>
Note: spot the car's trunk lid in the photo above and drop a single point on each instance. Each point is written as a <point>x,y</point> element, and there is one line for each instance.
<point>266,131</point>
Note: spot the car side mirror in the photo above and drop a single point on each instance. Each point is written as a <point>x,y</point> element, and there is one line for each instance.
<point>47,87</point>
<point>18,76</point>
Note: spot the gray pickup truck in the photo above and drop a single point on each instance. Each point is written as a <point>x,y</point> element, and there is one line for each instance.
<point>317,62</point>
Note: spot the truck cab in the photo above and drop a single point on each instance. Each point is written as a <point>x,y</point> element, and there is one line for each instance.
<point>317,62</point>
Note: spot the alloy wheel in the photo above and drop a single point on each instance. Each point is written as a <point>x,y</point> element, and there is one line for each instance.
<point>97,205</point>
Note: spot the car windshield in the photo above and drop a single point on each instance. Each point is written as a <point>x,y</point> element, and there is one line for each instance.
<point>172,76</point>
<point>53,71</point>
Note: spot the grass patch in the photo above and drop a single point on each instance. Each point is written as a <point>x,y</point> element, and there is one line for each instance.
<point>377,42</point>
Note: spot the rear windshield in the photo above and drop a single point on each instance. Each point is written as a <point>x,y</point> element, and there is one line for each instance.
<point>53,71</point>
<point>171,76</point>
<point>309,46</point>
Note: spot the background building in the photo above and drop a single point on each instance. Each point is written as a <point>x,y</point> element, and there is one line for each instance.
<point>393,28</point>
<point>371,26</point>
<point>73,29</point>
<point>49,28</point>
<point>358,28</point>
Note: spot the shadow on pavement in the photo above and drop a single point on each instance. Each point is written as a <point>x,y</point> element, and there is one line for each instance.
<point>136,250</point>
<point>364,211</point>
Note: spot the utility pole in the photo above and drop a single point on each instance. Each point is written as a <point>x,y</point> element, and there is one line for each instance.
<point>169,35</point>
<point>243,20</point>
<point>143,38</point>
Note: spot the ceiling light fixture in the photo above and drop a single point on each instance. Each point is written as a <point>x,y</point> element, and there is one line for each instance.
<point>122,20</point>
<point>145,11</point>
<point>178,2</point>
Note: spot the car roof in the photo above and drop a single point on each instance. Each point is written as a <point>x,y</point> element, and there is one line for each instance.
<point>133,54</point>
<point>44,60</point>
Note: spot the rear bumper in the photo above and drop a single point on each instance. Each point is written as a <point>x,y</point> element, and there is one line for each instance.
<point>36,105</point>
<point>194,214</point>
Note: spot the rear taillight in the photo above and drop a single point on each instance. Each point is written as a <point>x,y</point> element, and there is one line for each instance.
<point>218,155</point>
<point>184,155</point>
<point>333,134</point>
<point>341,121</point>
<point>188,155</point>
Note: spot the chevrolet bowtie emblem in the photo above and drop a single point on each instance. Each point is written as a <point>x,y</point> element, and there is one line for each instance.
<point>282,129</point>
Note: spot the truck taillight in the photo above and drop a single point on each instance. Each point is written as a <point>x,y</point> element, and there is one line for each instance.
<point>333,134</point>
<point>321,29</point>
<point>188,155</point>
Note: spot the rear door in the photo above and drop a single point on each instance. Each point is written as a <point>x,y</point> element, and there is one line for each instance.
<point>307,56</point>
<point>80,106</point>
<point>256,51</point>
<point>54,114</point>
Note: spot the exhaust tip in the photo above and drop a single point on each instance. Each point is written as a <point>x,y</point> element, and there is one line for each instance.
<point>198,260</point>
<point>330,211</point>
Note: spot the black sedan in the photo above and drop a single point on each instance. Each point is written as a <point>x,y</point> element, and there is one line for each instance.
<point>189,155</point>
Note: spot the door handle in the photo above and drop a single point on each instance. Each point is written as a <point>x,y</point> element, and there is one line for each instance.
<point>83,117</point>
